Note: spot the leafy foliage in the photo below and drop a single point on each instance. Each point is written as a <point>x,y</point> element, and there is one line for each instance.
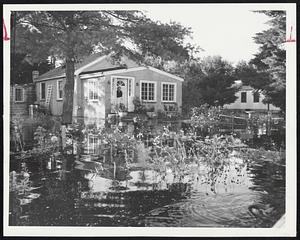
<point>216,86</point>
<point>208,81</point>
<point>29,51</point>
<point>206,119</point>
<point>138,105</point>
<point>270,61</point>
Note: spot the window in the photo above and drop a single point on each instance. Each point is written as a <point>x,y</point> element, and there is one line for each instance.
<point>59,90</point>
<point>92,144</point>
<point>93,90</point>
<point>148,91</point>
<point>168,92</point>
<point>243,97</point>
<point>43,91</point>
<point>19,94</point>
<point>256,97</point>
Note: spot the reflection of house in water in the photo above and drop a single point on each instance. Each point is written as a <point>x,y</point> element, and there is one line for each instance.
<point>92,144</point>
<point>112,198</point>
<point>102,85</point>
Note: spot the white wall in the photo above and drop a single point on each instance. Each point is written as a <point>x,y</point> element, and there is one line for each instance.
<point>249,104</point>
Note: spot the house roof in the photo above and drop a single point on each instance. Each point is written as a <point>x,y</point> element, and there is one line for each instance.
<point>239,84</point>
<point>99,63</point>
<point>60,71</point>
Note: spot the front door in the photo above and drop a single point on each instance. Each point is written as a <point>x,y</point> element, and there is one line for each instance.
<point>122,92</point>
<point>119,93</point>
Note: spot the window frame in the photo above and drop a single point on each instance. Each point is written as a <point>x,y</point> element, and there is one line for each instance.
<point>154,94</point>
<point>41,92</point>
<point>23,94</point>
<point>92,145</point>
<point>57,90</point>
<point>162,91</point>
<point>258,96</point>
<point>245,97</point>
<point>94,81</point>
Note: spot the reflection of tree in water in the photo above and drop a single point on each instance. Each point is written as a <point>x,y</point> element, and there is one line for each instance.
<point>55,204</point>
<point>269,181</point>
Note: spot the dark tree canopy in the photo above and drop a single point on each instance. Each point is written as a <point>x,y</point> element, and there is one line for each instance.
<point>216,86</point>
<point>209,81</point>
<point>23,66</point>
<point>270,61</point>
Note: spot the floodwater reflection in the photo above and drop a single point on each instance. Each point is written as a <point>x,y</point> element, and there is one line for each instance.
<point>84,192</point>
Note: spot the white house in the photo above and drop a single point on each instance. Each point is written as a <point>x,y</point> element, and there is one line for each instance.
<point>250,100</point>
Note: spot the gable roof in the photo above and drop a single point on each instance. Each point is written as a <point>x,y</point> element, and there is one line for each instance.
<point>60,71</point>
<point>99,63</point>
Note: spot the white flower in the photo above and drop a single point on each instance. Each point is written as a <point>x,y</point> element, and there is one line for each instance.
<point>54,139</point>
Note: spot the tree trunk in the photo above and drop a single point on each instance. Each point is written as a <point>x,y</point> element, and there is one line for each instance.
<point>69,88</point>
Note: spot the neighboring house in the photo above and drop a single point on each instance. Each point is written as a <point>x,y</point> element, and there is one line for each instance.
<point>250,100</point>
<point>21,96</point>
<point>101,85</point>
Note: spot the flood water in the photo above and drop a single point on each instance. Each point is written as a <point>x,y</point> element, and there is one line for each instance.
<point>82,191</point>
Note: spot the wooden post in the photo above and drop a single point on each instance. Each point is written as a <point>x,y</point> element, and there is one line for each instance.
<point>111,153</point>
<point>115,169</point>
<point>31,111</point>
<point>63,136</point>
<point>269,119</point>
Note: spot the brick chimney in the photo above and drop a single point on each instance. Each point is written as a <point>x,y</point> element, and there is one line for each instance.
<point>35,74</point>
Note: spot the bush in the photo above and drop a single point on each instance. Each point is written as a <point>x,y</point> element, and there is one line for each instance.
<point>206,119</point>
<point>138,106</point>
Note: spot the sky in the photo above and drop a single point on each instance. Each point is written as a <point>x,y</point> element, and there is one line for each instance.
<point>222,30</point>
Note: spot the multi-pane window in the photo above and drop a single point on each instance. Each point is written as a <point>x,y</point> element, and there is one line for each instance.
<point>243,97</point>
<point>19,94</point>
<point>59,90</point>
<point>256,97</point>
<point>168,92</point>
<point>93,90</point>
<point>148,91</point>
<point>92,144</point>
<point>43,91</point>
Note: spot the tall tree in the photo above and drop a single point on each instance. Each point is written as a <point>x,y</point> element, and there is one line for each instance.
<point>78,33</point>
<point>216,86</point>
<point>208,81</point>
<point>23,66</point>
<point>28,51</point>
<point>270,61</point>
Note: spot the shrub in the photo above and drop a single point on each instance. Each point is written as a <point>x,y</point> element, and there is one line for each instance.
<point>138,106</point>
<point>206,119</point>
<point>150,109</point>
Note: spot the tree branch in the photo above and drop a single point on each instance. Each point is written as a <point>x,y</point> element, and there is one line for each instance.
<point>118,17</point>
<point>60,21</point>
<point>35,24</point>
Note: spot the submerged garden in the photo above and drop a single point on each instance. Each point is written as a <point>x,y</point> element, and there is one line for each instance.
<point>171,173</point>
